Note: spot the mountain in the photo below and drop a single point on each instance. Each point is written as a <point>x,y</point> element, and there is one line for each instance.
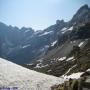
<point>61,50</point>
<point>82,16</point>
<point>16,77</point>
<point>25,45</point>
<point>13,40</point>
<point>71,51</point>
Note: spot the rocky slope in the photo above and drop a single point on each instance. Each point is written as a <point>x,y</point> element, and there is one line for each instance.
<point>15,77</point>
<point>69,55</point>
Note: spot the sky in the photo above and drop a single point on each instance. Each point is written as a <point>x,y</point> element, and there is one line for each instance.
<point>38,14</point>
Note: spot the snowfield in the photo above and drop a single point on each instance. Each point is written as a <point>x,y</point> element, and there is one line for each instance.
<point>13,75</point>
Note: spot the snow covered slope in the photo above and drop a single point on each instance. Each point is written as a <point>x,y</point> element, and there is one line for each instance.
<point>13,75</point>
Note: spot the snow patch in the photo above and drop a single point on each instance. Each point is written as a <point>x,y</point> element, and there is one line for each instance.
<point>45,33</point>
<point>62,58</point>
<point>40,65</point>
<point>40,60</point>
<point>49,70</point>
<point>70,58</point>
<point>27,31</point>
<point>52,44</point>
<point>44,65</point>
<point>46,46</point>
<point>71,28</point>
<point>81,44</point>
<point>73,41</point>
<point>70,69</point>
<point>72,76</point>
<point>26,46</point>
<point>64,29</point>
<point>37,32</point>
<point>88,70</point>
<point>30,64</point>
<point>75,75</point>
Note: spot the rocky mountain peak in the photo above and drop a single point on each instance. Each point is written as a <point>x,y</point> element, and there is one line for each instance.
<point>84,7</point>
<point>81,16</point>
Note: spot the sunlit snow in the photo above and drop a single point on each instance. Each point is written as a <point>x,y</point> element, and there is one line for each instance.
<point>13,75</point>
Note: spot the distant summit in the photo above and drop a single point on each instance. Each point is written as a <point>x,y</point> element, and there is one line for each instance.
<point>81,16</point>
<point>84,7</point>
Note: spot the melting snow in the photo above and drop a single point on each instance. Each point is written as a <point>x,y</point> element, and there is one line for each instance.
<point>13,75</point>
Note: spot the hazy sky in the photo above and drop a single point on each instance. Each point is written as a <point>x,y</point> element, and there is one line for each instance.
<point>38,14</point>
